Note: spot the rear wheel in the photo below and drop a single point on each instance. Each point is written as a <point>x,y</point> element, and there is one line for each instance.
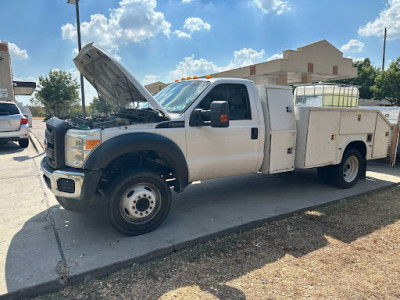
<point>24,143</point>
<point>138,202</point>
<point>346,174</point>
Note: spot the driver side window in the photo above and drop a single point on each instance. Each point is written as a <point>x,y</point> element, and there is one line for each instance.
<point>237,97</point>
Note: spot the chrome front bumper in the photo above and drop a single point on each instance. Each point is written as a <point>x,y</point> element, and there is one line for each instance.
<point>53,177</point>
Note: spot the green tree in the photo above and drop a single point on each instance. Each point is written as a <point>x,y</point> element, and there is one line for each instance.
<point>58,93</point>
<point>387,84</point>
<point>366,74</point>
<point>100,105</point>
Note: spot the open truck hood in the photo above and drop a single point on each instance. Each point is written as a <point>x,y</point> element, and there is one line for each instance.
<point>111,80</point>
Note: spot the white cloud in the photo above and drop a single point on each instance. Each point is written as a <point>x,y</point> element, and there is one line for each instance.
<point>133,22</point>
<point>68,32</point>
<point>196,24</point>
<point>354,46</point>
<point>74,52</point>
<point>182,34</point>
<point>30,78</point>
<point>245,57</point>
<point>389,17</point>
<point>186,1</point>
<point>193,67</point>
<point>150,78</point>
<point>275,56</point>
<point>276,6</point>
<point>16,52</point>
<point>190,66</point>
<point>358,59</point>
<point>355,59</point>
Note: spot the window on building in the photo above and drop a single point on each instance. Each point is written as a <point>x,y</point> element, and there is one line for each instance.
<point>310,68</point>
<point>335,70</point>
<point>3,47</point>
<point>237,97</point>
<point>253,70</point>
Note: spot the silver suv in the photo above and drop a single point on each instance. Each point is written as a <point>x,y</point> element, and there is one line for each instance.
<point>13,124</point>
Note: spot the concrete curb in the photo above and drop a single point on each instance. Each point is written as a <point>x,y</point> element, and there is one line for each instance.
<point>56,285</point>
<point>35,143</point>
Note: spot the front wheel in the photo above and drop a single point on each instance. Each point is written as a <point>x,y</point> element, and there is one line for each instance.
<point>138,202</point>
<point>346,174</point>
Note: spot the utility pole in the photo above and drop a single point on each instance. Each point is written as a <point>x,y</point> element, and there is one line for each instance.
<point>78,29</point>
<point>384,50</point>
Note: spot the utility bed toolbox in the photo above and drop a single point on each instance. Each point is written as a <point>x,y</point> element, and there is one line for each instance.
<point>323,134</point>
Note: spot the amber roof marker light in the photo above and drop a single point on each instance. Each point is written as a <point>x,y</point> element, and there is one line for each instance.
<point>208,76</point>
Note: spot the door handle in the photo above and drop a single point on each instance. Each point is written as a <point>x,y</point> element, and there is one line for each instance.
<point>254,133</point>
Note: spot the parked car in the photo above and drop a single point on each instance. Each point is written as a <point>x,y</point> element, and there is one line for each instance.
<point>26,112</point>
<point>13,124</point>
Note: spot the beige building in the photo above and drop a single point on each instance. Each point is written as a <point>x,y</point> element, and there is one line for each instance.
<point>319,61</point>
<point>155,87</point>
<point>9,88</point>
<point>6,84</point>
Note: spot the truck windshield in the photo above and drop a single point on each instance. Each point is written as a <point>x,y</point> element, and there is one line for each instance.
<point>176,97</point>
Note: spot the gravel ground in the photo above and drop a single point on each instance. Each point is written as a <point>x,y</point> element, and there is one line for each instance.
<point>349,250</point>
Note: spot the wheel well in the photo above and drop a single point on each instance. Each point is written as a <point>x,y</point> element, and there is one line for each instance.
<point>150,160</point>
<point>358,145</point>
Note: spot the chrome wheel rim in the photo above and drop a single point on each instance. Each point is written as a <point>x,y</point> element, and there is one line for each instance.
<point>140,203</point>
<point>350,169</point>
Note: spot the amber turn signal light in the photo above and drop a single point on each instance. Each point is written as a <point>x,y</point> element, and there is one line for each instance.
<point>90,144</point>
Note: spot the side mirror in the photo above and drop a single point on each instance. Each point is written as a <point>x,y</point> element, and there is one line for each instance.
<point>219,114</point>
<point>198,117</point>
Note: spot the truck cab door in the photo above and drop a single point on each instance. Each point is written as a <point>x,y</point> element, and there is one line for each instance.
<point>220,152</point>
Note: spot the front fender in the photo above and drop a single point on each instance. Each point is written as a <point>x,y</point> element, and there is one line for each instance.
<point>111,149</point>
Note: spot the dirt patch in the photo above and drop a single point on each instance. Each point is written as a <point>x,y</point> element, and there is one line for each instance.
<point>349,250</point>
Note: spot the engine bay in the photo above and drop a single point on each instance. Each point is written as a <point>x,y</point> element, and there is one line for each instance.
<point>123,118</point>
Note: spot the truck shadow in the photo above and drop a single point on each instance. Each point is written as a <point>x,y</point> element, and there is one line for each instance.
<point>224,206</point>
<point>297,236</point>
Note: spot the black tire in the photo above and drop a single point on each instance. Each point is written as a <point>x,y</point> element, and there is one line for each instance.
<point>138,202</point>
<point>351,164</point>
<point>23,143</point>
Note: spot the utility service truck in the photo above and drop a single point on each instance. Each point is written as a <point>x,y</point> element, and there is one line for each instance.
<point>195,130</point>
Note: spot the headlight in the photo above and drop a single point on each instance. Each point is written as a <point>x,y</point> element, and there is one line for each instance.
<point>78,144</point>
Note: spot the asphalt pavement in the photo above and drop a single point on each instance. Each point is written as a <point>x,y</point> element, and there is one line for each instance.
<point>43,247</point>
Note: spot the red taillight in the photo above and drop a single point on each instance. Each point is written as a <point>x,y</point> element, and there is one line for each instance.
<point>24,121</point>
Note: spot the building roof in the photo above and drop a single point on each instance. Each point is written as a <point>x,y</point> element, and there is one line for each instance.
<point>318,61</point>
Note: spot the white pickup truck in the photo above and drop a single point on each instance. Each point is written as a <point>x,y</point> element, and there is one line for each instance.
<point>195,130</point>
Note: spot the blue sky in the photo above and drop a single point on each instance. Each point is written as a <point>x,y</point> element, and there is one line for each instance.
<point>167,39</point>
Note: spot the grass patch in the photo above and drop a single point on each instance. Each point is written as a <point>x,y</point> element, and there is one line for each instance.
<point>349,250</point>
